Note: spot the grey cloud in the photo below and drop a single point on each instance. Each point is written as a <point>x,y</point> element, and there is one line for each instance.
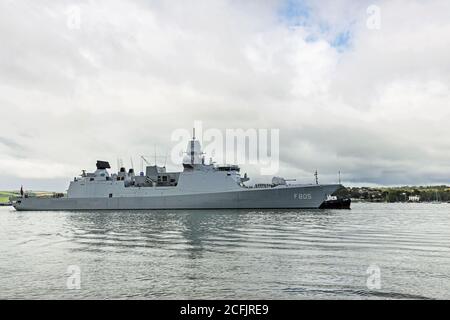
<point>136,71</point>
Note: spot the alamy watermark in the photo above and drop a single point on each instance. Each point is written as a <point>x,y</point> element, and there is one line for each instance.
<point>73,21</point>
<point>373,281</point>
<point>232,146</point>
<point>74,278</point>
<point>373,21</point>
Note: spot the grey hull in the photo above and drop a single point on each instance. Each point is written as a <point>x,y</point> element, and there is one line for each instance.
<point>286,197</point>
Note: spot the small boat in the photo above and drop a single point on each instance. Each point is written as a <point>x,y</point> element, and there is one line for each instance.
<point>333,202</point>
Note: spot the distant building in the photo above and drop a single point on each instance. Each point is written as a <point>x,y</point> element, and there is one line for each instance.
<point>414,198</point>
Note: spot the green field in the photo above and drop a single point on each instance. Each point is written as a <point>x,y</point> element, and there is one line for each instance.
<point>4,196</point>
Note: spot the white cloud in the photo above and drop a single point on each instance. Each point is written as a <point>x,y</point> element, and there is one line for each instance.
<point>377,109</point>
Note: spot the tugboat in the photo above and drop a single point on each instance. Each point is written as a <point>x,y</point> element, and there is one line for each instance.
<point>198,186</point>
<point>333,202</point>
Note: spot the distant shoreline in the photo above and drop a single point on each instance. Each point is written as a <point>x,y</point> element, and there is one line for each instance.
<point>404,194</point>
<point>416,194</point>
<point>384,202</point>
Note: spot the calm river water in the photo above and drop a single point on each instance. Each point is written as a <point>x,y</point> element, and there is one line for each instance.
<point>374,251</point>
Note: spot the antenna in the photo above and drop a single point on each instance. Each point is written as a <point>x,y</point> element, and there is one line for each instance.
<point>339,173</point>
<point>193,133</point>
<point>143,159</point>
<point>317,178</point>
<point>119,164</point>
<point>132,165</point>
<point>165,159</point>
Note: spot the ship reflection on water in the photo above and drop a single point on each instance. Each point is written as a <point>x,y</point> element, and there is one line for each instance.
<point>191,231</point>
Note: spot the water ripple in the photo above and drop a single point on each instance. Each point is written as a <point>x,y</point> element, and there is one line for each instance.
<point>229,253</point>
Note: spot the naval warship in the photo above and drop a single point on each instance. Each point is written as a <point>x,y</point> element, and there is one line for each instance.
<point>198,186</point>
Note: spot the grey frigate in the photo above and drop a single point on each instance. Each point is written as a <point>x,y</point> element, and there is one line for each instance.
<point>198,186</point>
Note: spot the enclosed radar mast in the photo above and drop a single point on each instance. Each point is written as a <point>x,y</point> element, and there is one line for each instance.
<point>194,154</point>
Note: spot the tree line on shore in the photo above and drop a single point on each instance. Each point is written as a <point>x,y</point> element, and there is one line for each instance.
<point>398,194</point>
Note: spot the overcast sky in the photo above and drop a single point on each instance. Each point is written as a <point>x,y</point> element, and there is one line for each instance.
<point>88,80</point>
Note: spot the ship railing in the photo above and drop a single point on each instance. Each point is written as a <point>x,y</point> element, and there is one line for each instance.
<point>263,185</point>
<point>39,195</point>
